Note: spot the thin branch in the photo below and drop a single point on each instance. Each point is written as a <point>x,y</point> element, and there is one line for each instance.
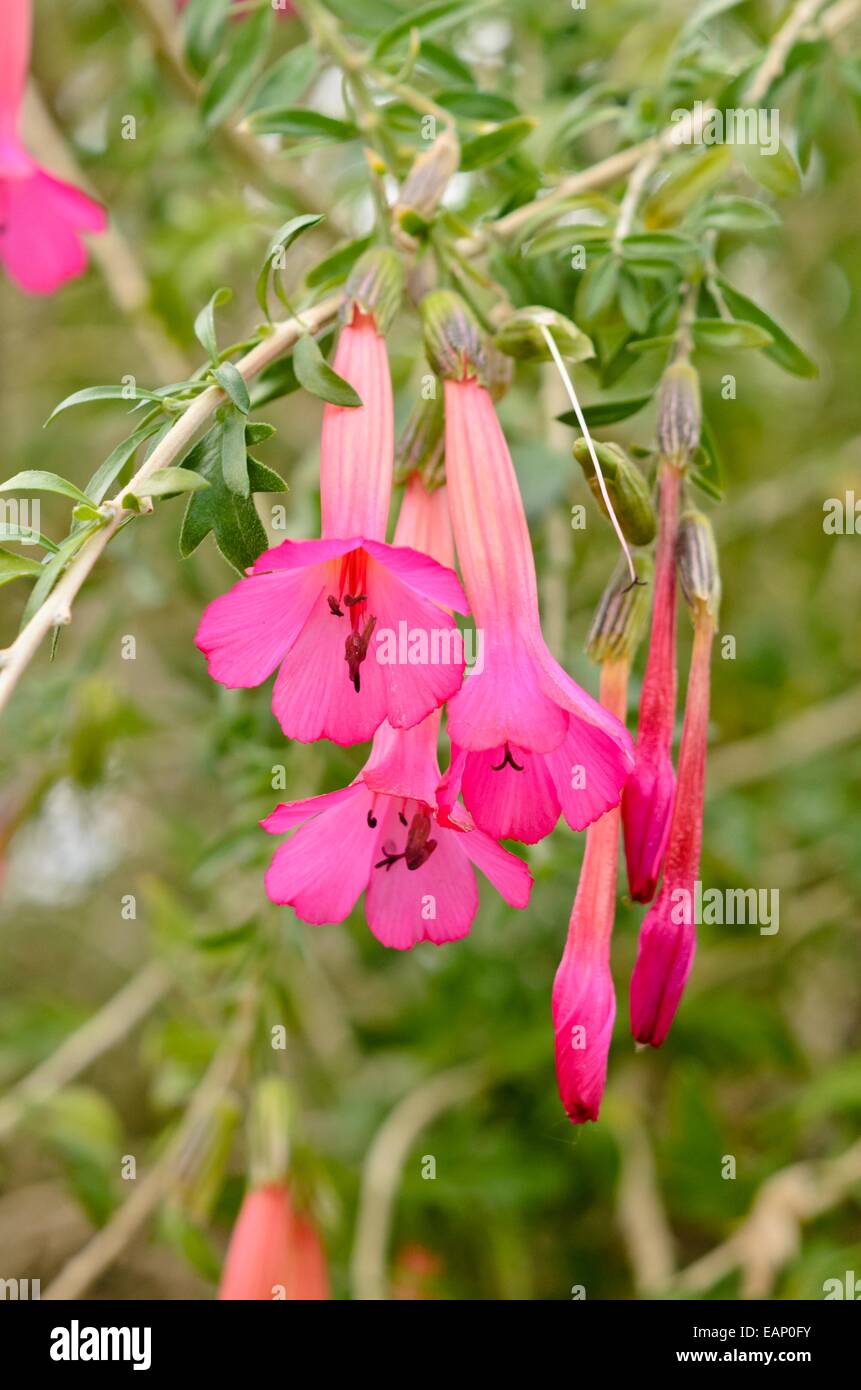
<point>107,1245</point>
<point>384,1164</point>
<point>57,608</point>
<point>780,48</point>
<point>113,1022</point>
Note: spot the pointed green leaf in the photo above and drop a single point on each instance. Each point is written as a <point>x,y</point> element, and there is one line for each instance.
<point>278,247</point>
<point>14,566</point>
<point>782,349</point>
<point>9,531</point>
<point>113,465</point>
<point>606,412</point>
<point>287,80</point>
<point>778,171</point>
<point>337,267</point>
<point>106,393</point>
<point>204,324</point>
<point>203,24</point>
<point>721,334</point>
<point>298,123</point>
<point>739,215</point>
<point>238,530</point>
<point>315,374</point>
<point>236,74</point>
<point>234,456</point>
<point>496,144</point>
<point>35,480</point>
<point>167,482</point>
<point>233,385</point>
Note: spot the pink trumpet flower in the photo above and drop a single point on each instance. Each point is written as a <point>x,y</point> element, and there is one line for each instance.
<point>667,935</point>
<point>584,1001</point>
<point>275,1251</point>
<point>360,629</point>
<point>647,801</point>
<point>41,217</point>
<point>381,835</point>
<point>527,742</point>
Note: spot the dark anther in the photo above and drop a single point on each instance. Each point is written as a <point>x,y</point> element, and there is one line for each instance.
<point>419,848</point>
<point>334,608</point>
<point>635,584</point>
<point>389,856</point>
<point>356,649</point>
<point>372,820</point>
<point>352,599</point>
<point>403,818</point>
<point>507,761</point>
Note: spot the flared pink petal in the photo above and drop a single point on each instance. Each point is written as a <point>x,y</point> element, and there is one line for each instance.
<point>313,696</point>
<point>324,867</point>
<point>415,648</point>
<point>504,703</point>
<point>589,771</point>
<point>293,555</point>
<point>436,902</point>
<point>357,442</point>
<point>421,573</point>
<point>292,813</point>
<point>403,762</point>
<point>39,244</point>
<point>509,875</point>
<point>507,804</point>
<point>559,686</point>
<point>246,632</point>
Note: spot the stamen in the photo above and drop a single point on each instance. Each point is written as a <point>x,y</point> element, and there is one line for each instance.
<point>372,820</point>
<point>356,649</point>
<point>389,857</point>
<point>507,761</point>
<point>352,599</point>
<point>419,848</point>
<point>334,608</point>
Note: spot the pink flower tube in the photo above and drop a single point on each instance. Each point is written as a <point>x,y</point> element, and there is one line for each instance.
<point>647,802</point>
<point>668,935</point>
<point>358,628</point>
<point>584,1001</point>
<point>275,1251</point>
<point>382,835</point>
<point>41,217</point>
<point>527,742</point>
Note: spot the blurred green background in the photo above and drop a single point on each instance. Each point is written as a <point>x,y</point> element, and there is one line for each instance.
<point>141,779</point>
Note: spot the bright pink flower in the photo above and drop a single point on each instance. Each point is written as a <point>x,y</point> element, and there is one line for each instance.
<point>584,1001</point>
<point>381,835</point>
<point>647,801</point>
<point>668,936</point>
<point>41,217</point>
<point>527,742</point>
<point>332,613</point>
<point>274,1252</point>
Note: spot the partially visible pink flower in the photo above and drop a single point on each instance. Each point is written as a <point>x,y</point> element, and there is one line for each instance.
<point>328,612</point>
<point>381,835</point>
<point>41,217</point>
<point>527,741</point>
<point>274,1252</point>
<point>668,935</point>
<point>647,801</point>
<point>584,1001</point>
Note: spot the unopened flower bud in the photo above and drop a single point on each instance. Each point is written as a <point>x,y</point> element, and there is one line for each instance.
<point>421,446</point>
<point>627,489</point>
<point>269,1122</point>
<point>375,287</point>
<point>697,560</point>
<point>679,413</point>
<point>452,336</point>
<point>521,336</point>
<point>426,183</point>
<point>621,615</point>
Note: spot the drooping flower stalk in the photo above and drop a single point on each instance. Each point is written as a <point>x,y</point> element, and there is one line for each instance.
<point>527,742</point>
<point>275,1250</point>
<point>41,217</point>
<point>668,934</point>
<point>382,835</point>
<point>360,629</point>
<point>647,802</point>
<point>584,1000</point>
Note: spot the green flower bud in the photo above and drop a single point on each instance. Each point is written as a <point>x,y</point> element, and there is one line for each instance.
<point>620,618</point>
<point>697,561</point>
<point>426,183</point>
<point>521,336</point>
<point>375,287</point>
<point>679,413</point>
<point>452,336</point>
<point>421,447</point>
<point>627,489</point>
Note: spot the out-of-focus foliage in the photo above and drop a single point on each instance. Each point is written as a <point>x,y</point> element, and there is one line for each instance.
<point>132,788</point>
